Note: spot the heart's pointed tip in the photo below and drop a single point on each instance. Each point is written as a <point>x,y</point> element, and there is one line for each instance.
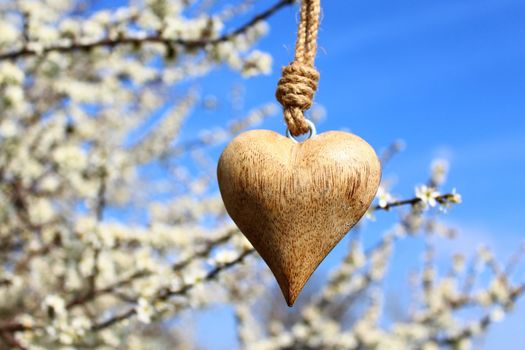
<point>291,286</point>
<point>290,296</point>
<point>290,301</point>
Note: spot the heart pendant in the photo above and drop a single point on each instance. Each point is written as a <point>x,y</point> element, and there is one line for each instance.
<point>295,201</point>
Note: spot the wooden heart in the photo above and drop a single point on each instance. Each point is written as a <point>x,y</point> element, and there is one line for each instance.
<point>295,201</point>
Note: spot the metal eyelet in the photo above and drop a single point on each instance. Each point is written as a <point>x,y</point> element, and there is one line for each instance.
<point>311,133</point>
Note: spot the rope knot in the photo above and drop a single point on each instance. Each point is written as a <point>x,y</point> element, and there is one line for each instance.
<point>295,92</point>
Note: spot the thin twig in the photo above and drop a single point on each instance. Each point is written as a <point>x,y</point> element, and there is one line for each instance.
<point>444,198</point>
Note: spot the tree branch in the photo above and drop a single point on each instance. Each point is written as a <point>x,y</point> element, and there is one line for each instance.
<point>442,199</point>
<point>166,294</point>
<point>178,266</point>
<point>156,38</point>
<point>483,323</point>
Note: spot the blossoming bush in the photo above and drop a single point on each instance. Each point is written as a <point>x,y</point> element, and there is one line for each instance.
<point>108,236</point>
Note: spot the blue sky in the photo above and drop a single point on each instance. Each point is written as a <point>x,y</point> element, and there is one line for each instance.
<point>448,77</point>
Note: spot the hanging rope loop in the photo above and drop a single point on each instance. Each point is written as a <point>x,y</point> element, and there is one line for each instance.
<point>298,84</point>
<point>295,92</point>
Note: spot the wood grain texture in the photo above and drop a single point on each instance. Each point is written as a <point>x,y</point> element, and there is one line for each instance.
<point>295,201</point>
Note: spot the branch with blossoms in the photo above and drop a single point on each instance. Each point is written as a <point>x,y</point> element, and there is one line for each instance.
<point>77,44</point>
<point>484,323</point>
<point>428,199</point>
<point>167,293</point>
<point>176,267</point>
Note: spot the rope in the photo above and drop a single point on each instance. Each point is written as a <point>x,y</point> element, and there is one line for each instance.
<point>298,83</point>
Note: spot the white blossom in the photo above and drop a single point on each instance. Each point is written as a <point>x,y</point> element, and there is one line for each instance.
<point>497,315</point>
<point>225,257</point>
<point>55,303</point>
<point>427,195</point>
<point>383,196</point>
<point>8,33</point>
<point>257,63</point>
<point>145,311</point>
